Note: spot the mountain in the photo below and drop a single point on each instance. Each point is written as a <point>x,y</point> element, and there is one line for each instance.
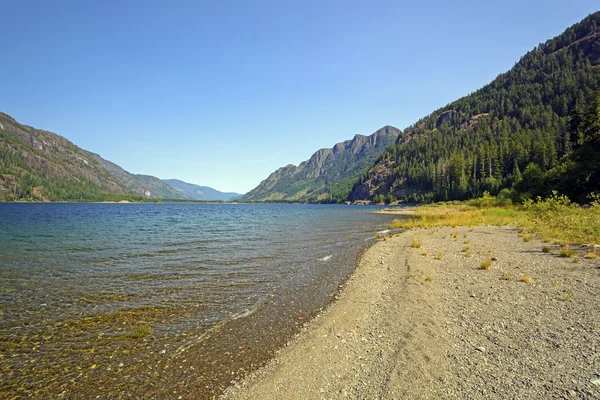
<point>328,175</point>
<point>145,185</point>
<point>515,134</point>
<point>42,166</point>
<point>201,192</point>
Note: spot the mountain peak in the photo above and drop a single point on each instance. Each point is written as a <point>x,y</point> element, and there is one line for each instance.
<point>328,174</point>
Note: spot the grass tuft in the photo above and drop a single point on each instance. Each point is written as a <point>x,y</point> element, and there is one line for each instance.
<point>568,297</point>
<point>487,263</point>
<point>527,279</point>
<point>416,241</point>
<point>141,331</point>
<point>439,256</point>
<point>593,255</point>
<point>546,249</point>
<point>566,252</point>
<point>508,277</point>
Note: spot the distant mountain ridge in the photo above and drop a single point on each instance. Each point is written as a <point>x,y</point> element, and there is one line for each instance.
<point>38,165</point>
<point>144,185</point>
<point>328,175</point>
<point>204,193</point>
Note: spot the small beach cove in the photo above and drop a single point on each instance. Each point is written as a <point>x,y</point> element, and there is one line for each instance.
<point>430,323</point>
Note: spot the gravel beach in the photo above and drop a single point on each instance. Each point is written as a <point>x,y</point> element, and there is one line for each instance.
<point>409,325</point>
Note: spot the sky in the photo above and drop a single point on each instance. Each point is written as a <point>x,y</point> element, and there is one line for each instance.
<point>222,93</point>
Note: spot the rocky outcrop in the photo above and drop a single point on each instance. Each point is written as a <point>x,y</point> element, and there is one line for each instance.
<point>312,179</point>
<point>446,116</point>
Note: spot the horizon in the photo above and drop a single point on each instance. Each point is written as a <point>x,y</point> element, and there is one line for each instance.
<point>278,81</point>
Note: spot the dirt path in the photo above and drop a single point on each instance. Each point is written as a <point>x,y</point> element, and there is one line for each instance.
<point>408,325</point>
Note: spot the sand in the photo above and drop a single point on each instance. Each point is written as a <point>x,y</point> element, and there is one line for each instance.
<point>408,325</point>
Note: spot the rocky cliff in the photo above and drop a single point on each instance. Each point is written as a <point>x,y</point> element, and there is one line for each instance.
<point>328,175</point>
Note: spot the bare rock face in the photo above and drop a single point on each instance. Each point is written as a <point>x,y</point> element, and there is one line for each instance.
<point>311,180</point>
<point>446,116</point>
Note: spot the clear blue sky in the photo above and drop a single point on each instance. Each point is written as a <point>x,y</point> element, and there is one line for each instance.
<point>222,93</point>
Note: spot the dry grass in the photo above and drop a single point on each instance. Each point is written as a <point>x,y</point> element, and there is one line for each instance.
<point>566,252</point>
<point>555,218</point>
<point>416,241</point>
<point>527,279</point>
<point>546,249</point>
<point>439,256</point>
<point>508,277</point>
<point>487,263</point>
<point>593,255</point>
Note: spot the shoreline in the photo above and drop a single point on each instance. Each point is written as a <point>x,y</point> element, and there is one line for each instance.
<point>407,325</point>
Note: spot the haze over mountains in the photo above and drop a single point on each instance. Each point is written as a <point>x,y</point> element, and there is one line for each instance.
<point>203,193</point>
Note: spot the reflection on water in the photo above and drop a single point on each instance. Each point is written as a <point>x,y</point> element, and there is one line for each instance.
<point>91,292</point>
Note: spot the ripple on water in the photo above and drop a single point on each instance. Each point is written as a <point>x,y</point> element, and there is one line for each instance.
<point>93,293</point>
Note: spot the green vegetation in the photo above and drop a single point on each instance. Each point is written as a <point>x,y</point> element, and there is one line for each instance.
<point>566,252</point>
<point>141,331</point>
<point>555,217</point>
<point>41,166</point>
<point>546,249</point>
<point>532,130</point>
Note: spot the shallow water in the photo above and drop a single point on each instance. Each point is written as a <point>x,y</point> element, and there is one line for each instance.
<point>90,292</point>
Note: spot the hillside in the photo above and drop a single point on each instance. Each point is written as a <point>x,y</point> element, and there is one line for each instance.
<point>204,193</point>
<point>145,185</point>
<point>43,166</point>
<point>513,132</point>
<point>328,175</point>
<point>37,165</point>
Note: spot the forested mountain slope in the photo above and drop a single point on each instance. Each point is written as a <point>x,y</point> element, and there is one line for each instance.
<point>43,166</point>
<point>145,185</point>
<point>516,127</point>
<point>328,175</point>
<point>37,165</point>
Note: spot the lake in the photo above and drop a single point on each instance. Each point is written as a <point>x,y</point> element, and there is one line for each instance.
<point>162,300</point>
